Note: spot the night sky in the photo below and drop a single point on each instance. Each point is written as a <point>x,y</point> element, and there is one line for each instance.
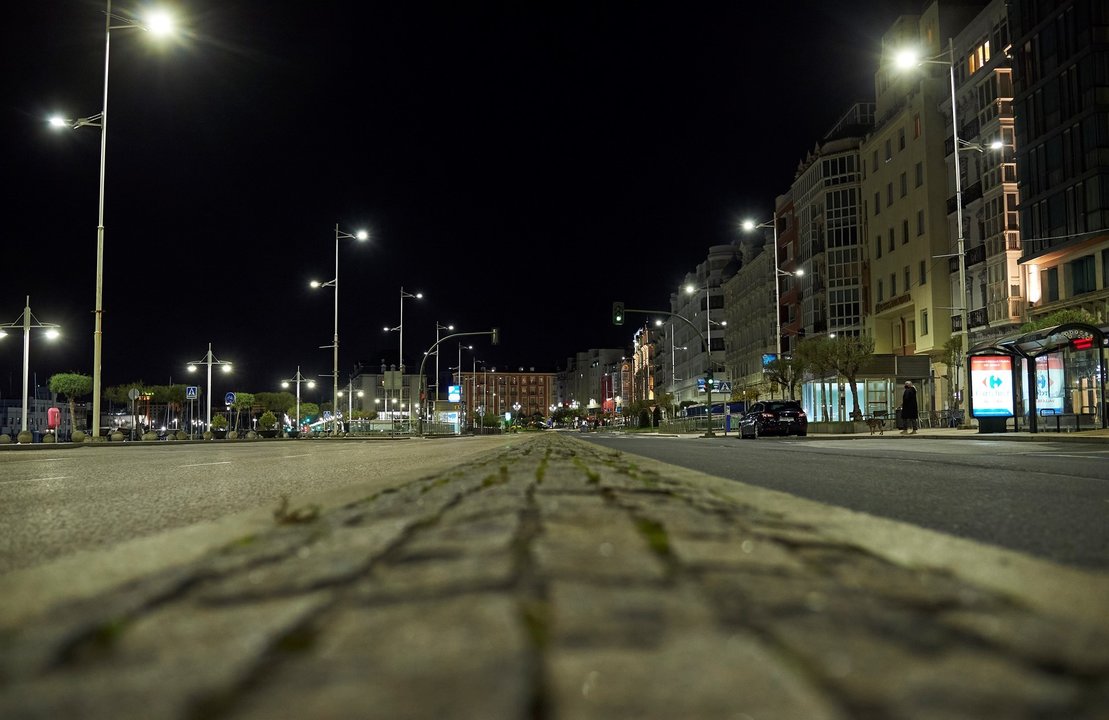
<point>523,164</point>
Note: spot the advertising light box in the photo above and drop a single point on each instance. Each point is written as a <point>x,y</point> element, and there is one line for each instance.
<point>991,385</point>
<point>1049,382</point>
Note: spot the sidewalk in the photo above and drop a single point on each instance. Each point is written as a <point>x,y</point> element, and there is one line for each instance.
<point>557,579</point>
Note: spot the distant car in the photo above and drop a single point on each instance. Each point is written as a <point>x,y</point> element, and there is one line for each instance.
<point>774,417</point>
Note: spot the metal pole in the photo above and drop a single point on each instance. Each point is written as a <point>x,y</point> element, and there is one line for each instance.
<point>98,314</point>
<point>208,414</point>
<point>964,329</point>
<point>708,349</point>
<point>26,358</point>
<point>297,428</point>
<point>335,345</point>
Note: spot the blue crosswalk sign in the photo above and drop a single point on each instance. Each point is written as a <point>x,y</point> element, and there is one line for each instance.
<point>191,392</point>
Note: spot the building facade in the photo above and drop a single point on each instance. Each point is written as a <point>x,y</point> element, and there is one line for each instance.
<point>1061,109</point>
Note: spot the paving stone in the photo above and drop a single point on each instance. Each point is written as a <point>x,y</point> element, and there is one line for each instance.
<point>437,577</point>
<point>613,551</point>
<point>340,556</point>
<point>1038,639</point>
<point>627,616</point>
<point>464,657</point>
<point>738,552</point>
<point>161,664</point>
<point>689,675</point>
<point>490,534</point>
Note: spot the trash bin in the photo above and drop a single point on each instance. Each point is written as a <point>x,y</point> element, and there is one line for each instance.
<point>897,419</point>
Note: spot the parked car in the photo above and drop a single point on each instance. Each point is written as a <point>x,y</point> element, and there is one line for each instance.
<point>774,417</point>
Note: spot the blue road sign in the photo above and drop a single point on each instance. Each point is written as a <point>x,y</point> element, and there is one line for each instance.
<point>229,399</point>
<point>191,392</point>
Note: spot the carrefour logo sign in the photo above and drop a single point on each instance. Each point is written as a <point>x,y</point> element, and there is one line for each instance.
<point>991,385</point>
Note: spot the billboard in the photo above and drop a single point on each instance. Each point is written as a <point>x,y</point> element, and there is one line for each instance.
<point>991,385</point>
<point>454,393</point>
<point>1049,382</point>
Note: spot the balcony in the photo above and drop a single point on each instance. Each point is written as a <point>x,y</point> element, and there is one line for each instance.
<point>970,194</point>
<point>975,255</point>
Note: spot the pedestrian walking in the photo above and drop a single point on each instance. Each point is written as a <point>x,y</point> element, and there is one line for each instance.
<point>909,412</point>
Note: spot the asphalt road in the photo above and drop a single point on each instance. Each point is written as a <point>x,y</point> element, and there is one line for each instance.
<point>1049,499</point>
<point>59,501</point>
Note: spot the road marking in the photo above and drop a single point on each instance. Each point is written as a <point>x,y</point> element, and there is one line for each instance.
<point>9,482</point>
<point>48,459</point>
<point>293,456</point>
<point>225,462</point>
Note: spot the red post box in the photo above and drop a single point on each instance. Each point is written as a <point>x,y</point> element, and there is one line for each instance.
<point>53,418</point>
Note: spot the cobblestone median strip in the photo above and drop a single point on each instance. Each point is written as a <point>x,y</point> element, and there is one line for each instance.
<point>556,579</point>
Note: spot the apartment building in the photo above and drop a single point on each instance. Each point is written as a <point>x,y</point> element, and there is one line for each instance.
<point>1061,106</point>
<point>828,205</point>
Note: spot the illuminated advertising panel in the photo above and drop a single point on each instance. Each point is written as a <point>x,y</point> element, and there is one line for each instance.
<point>991,385</point>
<point>1049,382</point>
<point>454,393</point>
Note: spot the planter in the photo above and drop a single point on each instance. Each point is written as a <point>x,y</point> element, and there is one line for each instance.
<point>116,437</point>
<point>219,434</point>
<point>271,433</point>
<point>49,438</point>
<point>78,436</point>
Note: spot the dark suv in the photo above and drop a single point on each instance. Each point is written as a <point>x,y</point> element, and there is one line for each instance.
<point>774,417</point>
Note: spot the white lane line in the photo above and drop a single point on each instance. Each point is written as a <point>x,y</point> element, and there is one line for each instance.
<point>9,482</point>
<point>48,459</point>
<point>293,456</point>
<point>225,462</point>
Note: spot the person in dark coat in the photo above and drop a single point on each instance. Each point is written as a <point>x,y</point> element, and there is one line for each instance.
<point>909,412</point>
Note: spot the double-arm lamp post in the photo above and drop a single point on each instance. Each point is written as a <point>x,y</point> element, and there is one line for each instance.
<point>299,380</point>
<point>27,320</point>
<point>158,23</point>
<point>908,59</point>
<point>494,333</point>
<point>361,235</point>
<point>750,226</point>
<point>209,359</point>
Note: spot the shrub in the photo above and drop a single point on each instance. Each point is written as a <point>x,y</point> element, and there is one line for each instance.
<point>268,421</point>
<point>219,422</point>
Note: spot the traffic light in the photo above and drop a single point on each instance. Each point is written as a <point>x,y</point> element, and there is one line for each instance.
<point>617,313</point>
<point>496,336</point>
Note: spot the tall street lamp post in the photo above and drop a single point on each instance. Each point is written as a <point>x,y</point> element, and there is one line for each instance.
<point>158,24</point>
<point>209,359</point>
<point>909,59</point>
<point>438,327</point>
<point>27,320</point>
<point>750,226</point>
<point>400,329</point>
<point>690,289</point>
<point>299,380</point>
<point>361,235</point>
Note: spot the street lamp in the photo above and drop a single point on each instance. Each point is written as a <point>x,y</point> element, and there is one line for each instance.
<point>910,58</point>
<point>400,329</point>
<point>361,235</point>
<point>751,226</point>
<point>27,320</point>
<point>209,359</point>
<point>438,327</point>
<point>299,380</point>
<point>158,23</point>
<point>690,289</point>
<point>350,398</point>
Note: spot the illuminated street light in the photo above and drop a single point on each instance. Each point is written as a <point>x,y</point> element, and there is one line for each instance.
<point>209,359</point>
<point>910,58</point>
<point>27,320</point>
<point>299,380</point>
<point>750,226</point>
<point>361,235</point>
<point>691,289</point>
<point>158,23</point>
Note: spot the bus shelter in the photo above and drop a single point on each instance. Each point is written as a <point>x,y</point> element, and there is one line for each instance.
<point>1048,379</point>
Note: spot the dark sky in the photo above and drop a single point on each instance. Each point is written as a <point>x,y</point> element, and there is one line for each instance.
<point>523,164</point>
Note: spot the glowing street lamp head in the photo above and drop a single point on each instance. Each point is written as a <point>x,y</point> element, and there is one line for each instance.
<point>907,58</point>
<point>52,334</point>
<point>419,295</point>
<point>226,367</point>
<point>362,235</point>
<point>58,121</point>
<point>285,383</point>
<point>747,225</point>
<point>311,384</point>
<point>160,23</point>
<point>314,283</point>
<point>192,368</point>
<point>690,289</point>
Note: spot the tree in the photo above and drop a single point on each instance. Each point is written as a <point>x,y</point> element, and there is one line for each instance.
<point>1060,317</point>
<point>243,401</point>
<point>952,358</point>
<point>848,354</point>
<point>72,385</point>
<point>787,371</point>
<point>307,411</point>
<point>275,401</point>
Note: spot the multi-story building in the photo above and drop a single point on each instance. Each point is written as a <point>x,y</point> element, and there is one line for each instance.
<point>700,300</point>
<point>828,209</point>
<point>1061,105</point>
<point>643,352</point>
<point>583,380</point>
<point>905,190</point>
<point>496,392</point>
<point>749,310</point>
<point>993,294</point>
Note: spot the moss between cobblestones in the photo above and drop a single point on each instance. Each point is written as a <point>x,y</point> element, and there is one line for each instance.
<point>656,536</point>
